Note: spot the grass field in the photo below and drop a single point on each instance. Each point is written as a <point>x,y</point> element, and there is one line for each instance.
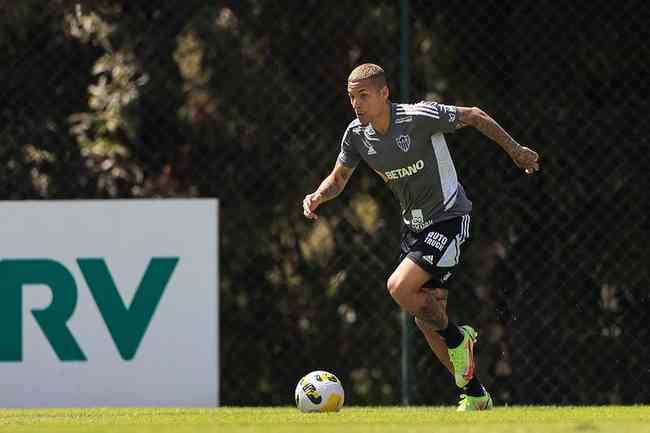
<point>350,420</point>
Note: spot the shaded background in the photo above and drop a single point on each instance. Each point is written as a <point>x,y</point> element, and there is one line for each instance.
<point>246,101</point>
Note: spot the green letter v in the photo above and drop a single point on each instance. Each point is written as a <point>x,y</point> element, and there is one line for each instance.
<point>127,325</point>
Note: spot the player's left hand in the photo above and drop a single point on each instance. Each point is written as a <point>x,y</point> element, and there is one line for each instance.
<point>527,159</point>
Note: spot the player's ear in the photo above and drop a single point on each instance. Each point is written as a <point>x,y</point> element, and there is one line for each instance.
<point>385,93</point>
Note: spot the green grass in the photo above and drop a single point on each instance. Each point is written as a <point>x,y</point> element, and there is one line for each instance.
<point>350,420</point>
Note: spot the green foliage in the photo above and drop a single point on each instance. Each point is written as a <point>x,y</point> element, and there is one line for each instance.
<point>246,101</point>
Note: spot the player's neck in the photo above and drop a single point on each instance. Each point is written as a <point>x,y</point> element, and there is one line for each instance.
<point>382,122</point>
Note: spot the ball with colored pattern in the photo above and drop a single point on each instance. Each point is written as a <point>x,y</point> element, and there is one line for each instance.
<point>319,391</point>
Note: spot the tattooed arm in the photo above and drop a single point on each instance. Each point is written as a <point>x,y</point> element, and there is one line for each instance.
<point>524,157</point>
<point>328,189</point>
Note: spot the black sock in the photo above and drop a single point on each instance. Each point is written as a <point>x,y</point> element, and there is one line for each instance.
<point>474,387</point>
<point>452,335</point>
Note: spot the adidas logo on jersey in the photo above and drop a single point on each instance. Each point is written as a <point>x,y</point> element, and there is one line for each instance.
<point>371,150</point>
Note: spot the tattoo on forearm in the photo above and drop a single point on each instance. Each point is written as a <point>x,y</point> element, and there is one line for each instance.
<point>345,175</point>
<point>492,129</point>
<point>330,188</point>
<point>334,183</point>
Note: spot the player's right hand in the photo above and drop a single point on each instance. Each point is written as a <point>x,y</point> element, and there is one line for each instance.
<point>309,205</point>
<point>527,159</point>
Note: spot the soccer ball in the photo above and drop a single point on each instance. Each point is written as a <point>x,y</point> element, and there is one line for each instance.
<point>319,391</point>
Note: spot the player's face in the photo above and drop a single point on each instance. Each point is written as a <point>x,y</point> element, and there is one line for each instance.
<point>367,99</point>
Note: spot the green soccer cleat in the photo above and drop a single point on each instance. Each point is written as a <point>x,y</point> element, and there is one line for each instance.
<point>462,357</point>
<point>468,403</point>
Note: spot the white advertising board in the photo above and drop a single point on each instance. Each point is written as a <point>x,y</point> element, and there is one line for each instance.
<point>109,303</point>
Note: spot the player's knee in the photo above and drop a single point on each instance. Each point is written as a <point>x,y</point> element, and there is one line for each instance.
<point>391,285</point>
<point>396,286</point>
<point>401,292</point>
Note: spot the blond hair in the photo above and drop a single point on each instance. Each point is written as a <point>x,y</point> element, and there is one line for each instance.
<point>369,71</point>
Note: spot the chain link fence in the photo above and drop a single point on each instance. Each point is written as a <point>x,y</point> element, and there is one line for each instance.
<point>246,101</point>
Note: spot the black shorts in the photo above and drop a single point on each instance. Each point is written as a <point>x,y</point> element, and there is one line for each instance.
<point>436,249</point>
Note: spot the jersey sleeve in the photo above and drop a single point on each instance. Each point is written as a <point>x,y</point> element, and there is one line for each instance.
<point>349,154</point>
<point>437,117</point>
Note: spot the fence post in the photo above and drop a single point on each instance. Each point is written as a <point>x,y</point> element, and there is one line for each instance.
<point>407,323</point>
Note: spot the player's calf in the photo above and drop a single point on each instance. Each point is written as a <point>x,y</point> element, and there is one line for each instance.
<point>432,310</point>
<point>421,302</point>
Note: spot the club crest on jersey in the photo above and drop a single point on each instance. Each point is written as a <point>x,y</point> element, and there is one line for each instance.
<point>403,142</point>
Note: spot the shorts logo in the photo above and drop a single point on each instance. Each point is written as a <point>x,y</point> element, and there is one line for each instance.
<point>403,142</point>
<point>445,277</point>
<point>428,259</point>
<point>436,240</point>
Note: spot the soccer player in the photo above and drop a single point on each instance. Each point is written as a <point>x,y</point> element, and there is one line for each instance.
<point>405,145</point>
